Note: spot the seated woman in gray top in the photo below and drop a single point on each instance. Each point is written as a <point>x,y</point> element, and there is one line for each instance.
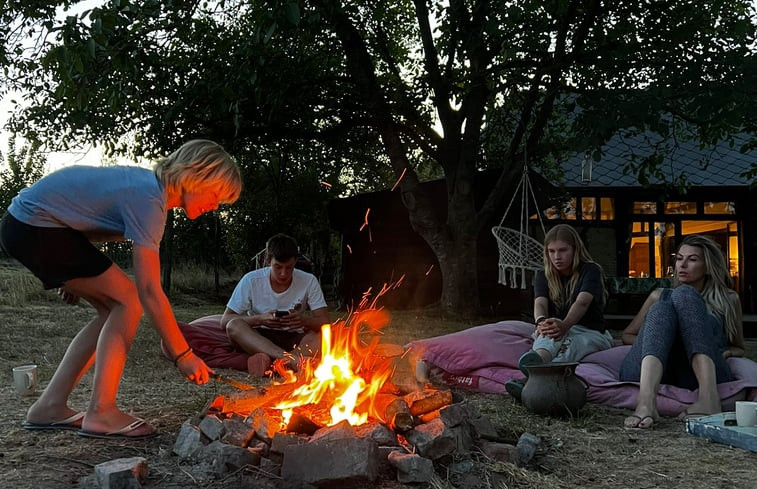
<point>682,336</point>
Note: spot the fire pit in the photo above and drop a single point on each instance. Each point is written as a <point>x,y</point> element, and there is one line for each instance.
<point>347,419</point>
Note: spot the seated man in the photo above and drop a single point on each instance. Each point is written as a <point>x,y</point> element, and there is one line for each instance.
<point>276,311</point>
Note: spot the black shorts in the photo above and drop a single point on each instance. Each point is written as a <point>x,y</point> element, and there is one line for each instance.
<point>53,255</point>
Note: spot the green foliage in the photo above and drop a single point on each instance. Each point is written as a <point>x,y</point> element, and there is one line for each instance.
<point>19,169</point>
<point>358,93</point>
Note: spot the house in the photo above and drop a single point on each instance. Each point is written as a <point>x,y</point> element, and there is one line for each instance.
<point>629,228</point>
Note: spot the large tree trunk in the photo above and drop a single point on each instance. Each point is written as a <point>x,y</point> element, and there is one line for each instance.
<point>459,264</point>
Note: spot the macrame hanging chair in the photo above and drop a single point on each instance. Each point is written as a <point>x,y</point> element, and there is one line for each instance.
<point>519,252</point>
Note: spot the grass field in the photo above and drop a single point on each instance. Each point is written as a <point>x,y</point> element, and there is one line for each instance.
<point>592,450</point>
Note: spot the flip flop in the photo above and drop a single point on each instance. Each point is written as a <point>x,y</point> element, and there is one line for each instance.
<point>122,434</point>
<point>639,422</point>
<point>73,422</point>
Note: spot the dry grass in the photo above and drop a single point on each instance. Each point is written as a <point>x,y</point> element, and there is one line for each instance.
<point>589,451</point>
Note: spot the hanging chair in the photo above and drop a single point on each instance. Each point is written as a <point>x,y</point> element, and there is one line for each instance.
<point>519,252</point>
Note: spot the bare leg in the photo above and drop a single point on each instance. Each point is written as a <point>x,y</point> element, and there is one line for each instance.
<point>310,345</point>
<point>708,401</point>
<point>544,354</point>
<point>107,339</point>
<point>52,404</point>
<point>250,341</point>
<point>646,413</point>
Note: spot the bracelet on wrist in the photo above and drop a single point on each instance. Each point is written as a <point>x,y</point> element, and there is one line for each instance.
<point>181,355</point>
<point>540,319</point>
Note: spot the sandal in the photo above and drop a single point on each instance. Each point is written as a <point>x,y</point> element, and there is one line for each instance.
<point>634,422</point>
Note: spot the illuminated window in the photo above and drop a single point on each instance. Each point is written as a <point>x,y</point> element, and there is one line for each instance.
<point>726,233</point>
<point>607,205</point>
<point>588,208</point>
<point>638,254</point>
<point>680,208</point>
<point>644,208</point>
<point>719,208</point>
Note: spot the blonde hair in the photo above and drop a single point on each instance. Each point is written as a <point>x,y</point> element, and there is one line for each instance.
<point>197,164</point>
<point>717,280</point>
<point>557,293</point>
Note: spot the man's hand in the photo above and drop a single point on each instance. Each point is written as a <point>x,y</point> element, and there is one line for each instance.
<point>293,320</point>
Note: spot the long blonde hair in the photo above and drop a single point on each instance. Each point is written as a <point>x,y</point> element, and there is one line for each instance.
<point>717,282</point>
<point>199,163</point>
<point>557,293</point>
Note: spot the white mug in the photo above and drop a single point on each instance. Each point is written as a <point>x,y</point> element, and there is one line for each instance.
<point>25,379</point>
<point>746,413</point>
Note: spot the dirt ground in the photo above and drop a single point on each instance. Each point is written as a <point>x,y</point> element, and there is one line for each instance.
<point>592,450</point>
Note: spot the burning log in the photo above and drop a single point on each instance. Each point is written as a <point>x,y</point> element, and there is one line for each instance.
<point>247,401</point>
<point>425,401</point>
<point>396,412</point>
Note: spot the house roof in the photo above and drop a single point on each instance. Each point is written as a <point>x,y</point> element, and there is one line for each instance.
<point>722,165</point>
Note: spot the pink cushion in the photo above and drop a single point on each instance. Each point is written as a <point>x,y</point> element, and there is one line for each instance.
<point>484,357</point>
<point>209,342</point>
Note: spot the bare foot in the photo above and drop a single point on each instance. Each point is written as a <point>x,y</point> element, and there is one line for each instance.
<point>703,406</point>
<point>41,414</point>
<point>116,422</point>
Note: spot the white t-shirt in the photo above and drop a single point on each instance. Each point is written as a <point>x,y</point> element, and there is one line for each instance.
<point>253,294</point>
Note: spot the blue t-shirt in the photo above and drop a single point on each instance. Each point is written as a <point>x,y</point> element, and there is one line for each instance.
<point>104,203</point>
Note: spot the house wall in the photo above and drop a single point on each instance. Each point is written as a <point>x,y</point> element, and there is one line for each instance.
<point>388,248</point>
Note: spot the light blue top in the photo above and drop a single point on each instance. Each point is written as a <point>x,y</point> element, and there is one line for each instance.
<point>105,203</point>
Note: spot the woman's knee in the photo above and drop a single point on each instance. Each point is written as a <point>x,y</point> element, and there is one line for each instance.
<point>685,296</point>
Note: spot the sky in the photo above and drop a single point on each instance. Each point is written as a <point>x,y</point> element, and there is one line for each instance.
<point>86,155</point>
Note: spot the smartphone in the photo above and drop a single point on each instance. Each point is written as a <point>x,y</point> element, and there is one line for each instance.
<point>281,314</point>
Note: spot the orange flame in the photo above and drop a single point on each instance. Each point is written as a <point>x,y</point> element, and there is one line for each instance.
<point>348,375</point>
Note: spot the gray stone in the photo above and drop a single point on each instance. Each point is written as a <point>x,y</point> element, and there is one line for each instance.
<point>499,452</point>
<point>264,425</point>
<point>483,427</point>
<point>228,458</point>
<point>212,427</point>
<point>433,440</point>
<point>282,440</point>
<point>237,432</point>
<point>377,432</point>
<point>336,463</point>
<point>526,448</point>
<point>411,467</point>
<point>339,431</point>
<point>188,441</point>
<point>454,414</point>
<point>122,473</point>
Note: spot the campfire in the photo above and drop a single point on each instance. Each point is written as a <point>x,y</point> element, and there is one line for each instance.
<point>352,411</point>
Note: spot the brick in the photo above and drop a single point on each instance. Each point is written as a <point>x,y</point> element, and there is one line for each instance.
<point>122,473</point>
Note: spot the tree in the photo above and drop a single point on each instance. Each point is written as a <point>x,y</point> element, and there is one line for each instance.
<point>507,83</point>
<point>20,169</point>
